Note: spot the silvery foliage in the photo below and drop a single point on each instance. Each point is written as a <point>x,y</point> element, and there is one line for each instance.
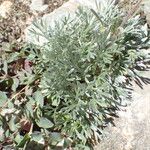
<point>85,67</point>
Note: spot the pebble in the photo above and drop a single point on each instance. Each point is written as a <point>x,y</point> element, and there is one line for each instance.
<point>146,7</point>
<point>38,5</point>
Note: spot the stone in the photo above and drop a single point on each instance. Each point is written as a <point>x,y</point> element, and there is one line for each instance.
<point>5,8</point>
<point>128,5</point>
<point>66,9</point>
<point>38,5</point>
<point>132,128</point>
<point>146,9</point>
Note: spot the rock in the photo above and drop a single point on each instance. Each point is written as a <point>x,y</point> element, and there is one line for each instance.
<point>128,5</point>
<point>5,8</point>
<point>49,19</point>
<point>132,130</point>
<point>38,5</point>
<point>146,8</point>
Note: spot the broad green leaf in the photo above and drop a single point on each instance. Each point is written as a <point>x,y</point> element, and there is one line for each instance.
<point>37,137</point>
<point>87,148</point>
<point>39,98</point>
<point>3,98</point>
<point>44,123</point>
<point>29,106</point>
<point>18,138</point>
<point>55,137</point>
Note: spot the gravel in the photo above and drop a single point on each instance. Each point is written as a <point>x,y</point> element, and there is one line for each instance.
<point>18,14</point>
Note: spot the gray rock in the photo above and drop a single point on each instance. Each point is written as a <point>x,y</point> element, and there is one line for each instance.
<point>146,8</point>
<point>38,5</point>
<point>132,130</point>
<point>49,19</point>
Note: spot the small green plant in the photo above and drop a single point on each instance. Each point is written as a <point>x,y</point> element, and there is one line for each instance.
<point>62,93</point>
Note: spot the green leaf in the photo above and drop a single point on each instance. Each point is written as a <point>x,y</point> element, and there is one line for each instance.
<point>7,133</point>
<point>3,98</point>
<point>18,138</point>
<point>29,106</point>
<point>55,137</point>
<point>25,139</point>
<point>67,142</point>
<point>39,98</point>
<point>44,123</point>
<point>37,137</point>
<point>87,148</point>
<point>15,84</point>
<point>12,124</point>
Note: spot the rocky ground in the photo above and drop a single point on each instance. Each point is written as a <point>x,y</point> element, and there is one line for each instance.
<point>132,128</point>
<point>16,15</point>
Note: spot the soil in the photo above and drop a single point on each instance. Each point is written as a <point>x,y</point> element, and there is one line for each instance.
<point>20,16</point>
